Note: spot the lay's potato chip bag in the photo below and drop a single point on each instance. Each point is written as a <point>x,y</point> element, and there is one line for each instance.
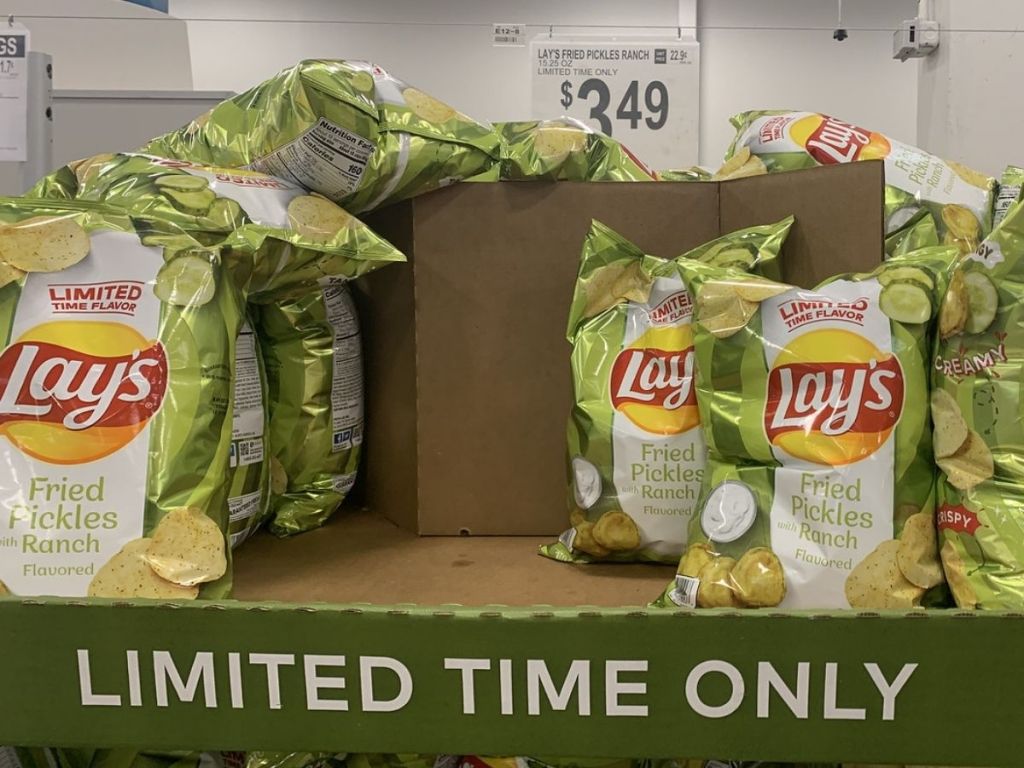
<point>301,243</point>
<point>976,408</point>
<point>115,407</point>
<point>345,129</point>
<point>819,488</point>
<point>565,149</point>
<point>636,453</point>
<point>958,197</point>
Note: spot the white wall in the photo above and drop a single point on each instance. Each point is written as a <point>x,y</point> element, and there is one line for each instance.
<point>444,47</point>
<point>107,44</point>
<point>970,106</point>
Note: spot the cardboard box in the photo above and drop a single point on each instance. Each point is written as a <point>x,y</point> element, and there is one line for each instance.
<point>467,366</point>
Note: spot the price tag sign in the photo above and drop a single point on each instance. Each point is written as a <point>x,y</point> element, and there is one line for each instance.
<point>643,93</point>
<point>13,93</point>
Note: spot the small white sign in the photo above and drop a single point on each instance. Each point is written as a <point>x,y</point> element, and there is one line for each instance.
<point>509,35</point>
<point>645,93</point>
<point>13,93</point>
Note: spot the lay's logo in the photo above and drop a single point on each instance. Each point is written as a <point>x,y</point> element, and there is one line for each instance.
<point>652,381</point>
<point>830,141</point>
<point>833,411</point>
<point>71,393</point>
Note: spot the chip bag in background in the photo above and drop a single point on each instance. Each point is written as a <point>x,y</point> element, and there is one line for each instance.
<point>960,198</point>
<point>50,757</point>
<point>977,412</point>
<point>314,367</point>
<point>345,129</point>
<point>635,449</point>
<point>1010,191</point>
<point>565,149</point>
<point>116,376</point>
<point>820,486</point>
<point>919,232</point>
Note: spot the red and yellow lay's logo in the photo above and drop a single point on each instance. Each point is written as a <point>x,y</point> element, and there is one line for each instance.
<point>74,392</point>
<point>831,141</point>
<point>833,398</point>
<point>652,381</point>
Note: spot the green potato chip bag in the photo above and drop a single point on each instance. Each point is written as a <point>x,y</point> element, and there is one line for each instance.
<point>976,407</point>
<point>315,389</point>
<point>958,197</point>
<point>110,370</point>
<point>565,149</point>
<point>1010,185</point>
<point>345,129</point>
<point>301,244</point>
<point>819,490</point>
<point>693,173</point>
<point>636,454</point>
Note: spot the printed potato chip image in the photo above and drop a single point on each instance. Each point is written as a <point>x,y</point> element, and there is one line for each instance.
<point>43,244</point>
<point>970,465</point>
<point>584,541</point>
<point>950,430</point>
<point>616,531</point>
<point>614,284</point>
<point>127,575</point>
<point>722,311</point>
<point>960,222</point>
<point>317,217</point>
<point>427,106</point>
<point>694,559</point>
<point>956,576</point>
<point>953,315</point>
<point>278,477</point>
<point>717,588</point>
<point>918,553</point>
<point>877,581</point>
<point>4,591</point>
<point>556,142</point>
<point>733,164</point>
<point>971,176</point>
<point>759,579</point>
<point>9,274</point>
<point>187,548</point>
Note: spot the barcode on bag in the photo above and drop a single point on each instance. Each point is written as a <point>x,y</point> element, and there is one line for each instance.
<point>684,593</point>
<point>567,538</point>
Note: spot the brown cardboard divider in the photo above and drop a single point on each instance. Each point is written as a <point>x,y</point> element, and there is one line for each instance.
<point>467,365</point>
<point>360,557</point>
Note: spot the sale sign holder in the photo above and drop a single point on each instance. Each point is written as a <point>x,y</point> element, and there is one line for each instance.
<point>643,92</point>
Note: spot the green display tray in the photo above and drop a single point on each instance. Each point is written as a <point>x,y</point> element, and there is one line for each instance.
<point>647,682</point>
